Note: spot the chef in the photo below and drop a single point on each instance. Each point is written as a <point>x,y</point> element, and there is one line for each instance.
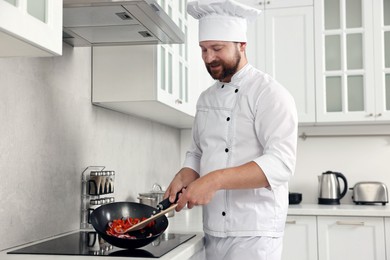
<point>244,139</point>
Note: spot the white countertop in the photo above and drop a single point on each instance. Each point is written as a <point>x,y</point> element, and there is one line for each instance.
<point>376,210</point>
<point>186,221</point>
<point>190,221</point>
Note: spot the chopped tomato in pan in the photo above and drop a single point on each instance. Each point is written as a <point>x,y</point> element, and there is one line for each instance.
<point>116,227</point>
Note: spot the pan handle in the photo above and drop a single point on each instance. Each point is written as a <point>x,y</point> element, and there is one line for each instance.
<point>164,204</point>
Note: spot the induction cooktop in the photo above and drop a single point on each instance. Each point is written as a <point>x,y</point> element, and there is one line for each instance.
<point>90,243</point>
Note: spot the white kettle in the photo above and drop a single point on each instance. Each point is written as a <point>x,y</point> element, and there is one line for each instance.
<point>329,191</point>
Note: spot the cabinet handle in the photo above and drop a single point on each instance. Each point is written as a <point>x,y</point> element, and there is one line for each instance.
<point>291,222</point>
<point>178,101</point>
<point>380,114</point>
<point>260,3</point>
<point>268,2</point>
<point>370,115</point>
<point>350,223</point>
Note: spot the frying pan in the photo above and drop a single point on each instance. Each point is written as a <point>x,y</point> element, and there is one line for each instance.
<point>108,212</point>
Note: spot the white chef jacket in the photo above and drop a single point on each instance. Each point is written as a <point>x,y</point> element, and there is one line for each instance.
<point>251,118</point>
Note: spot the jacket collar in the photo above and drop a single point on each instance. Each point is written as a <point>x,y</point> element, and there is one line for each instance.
<point>238,76</point>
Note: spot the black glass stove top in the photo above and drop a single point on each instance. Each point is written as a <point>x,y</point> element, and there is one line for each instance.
<point>89,243</point>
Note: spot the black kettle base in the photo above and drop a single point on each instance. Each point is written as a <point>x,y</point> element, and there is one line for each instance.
<point>328,201</point>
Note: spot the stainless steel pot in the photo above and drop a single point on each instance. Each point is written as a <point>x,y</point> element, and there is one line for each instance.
<point>147,199</point>
<point>152,198</point>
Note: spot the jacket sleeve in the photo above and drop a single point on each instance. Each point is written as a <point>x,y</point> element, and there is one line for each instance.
<point>194,154</point>
<point>276,127</point>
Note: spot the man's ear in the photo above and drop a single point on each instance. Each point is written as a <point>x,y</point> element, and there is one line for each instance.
<point>242,46</point>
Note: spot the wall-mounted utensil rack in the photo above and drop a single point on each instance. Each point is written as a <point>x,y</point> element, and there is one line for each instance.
<point>97,188</point>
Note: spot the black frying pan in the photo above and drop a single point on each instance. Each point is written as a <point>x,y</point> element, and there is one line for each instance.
<point>108,212</point>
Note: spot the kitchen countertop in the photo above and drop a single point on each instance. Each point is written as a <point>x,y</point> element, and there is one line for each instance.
<point>185,221</point>
<point>190,221</point>
<point>376,210</point>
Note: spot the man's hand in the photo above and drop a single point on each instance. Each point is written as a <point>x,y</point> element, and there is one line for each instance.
<point>182,179</point>
<point>198,192</point>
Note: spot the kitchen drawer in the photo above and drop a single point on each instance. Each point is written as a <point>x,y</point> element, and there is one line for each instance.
<point>358,238</point>
<point>300,238</point>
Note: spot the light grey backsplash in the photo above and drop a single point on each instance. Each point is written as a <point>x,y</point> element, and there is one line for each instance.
<point>50,132</point>
<point>358,158</point>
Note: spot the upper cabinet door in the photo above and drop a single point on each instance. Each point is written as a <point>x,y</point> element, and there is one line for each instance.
<point>30,28</point>
<point>281,43</point>
<point>351,70</point>
<point>173,63</point>
<point>382,62</point>
<point>289,55</point>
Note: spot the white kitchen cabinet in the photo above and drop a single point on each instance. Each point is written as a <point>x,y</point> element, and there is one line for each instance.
<point>140,80</point>
<point>31,28</point>
<point>281,43</point>
<point>173,59</point>
<point>382,62</point>
<point>352,60</point>
<point>195,73</point>
<point>198,77</point>
<point>300,238</point>
<point>151,81</point>
<point>358,238</point>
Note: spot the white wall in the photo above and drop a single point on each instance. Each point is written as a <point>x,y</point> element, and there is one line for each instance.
<point>50,132</point>
<point>359,158</point>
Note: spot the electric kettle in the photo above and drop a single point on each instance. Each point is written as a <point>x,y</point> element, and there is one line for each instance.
<point>329,188</point>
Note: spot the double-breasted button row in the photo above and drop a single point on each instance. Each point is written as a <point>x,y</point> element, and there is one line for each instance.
<point>235,91</point>
<point>228,119</point>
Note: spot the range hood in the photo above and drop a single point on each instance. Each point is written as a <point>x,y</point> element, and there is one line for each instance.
<point>113,22</point>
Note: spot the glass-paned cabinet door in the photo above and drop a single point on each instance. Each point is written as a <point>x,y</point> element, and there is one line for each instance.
<point>382,52</point>
<point>182,17</point>
<point>37,9</point>
<point>34,28</point>
<point>174,76</point>
<point>345,73</point>
<point>183,58</point>
<point>165,67</point>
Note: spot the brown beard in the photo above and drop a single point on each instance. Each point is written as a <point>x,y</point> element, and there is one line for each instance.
<point>228,69</point>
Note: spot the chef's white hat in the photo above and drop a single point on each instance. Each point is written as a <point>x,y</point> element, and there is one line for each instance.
<point>222,20</point>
